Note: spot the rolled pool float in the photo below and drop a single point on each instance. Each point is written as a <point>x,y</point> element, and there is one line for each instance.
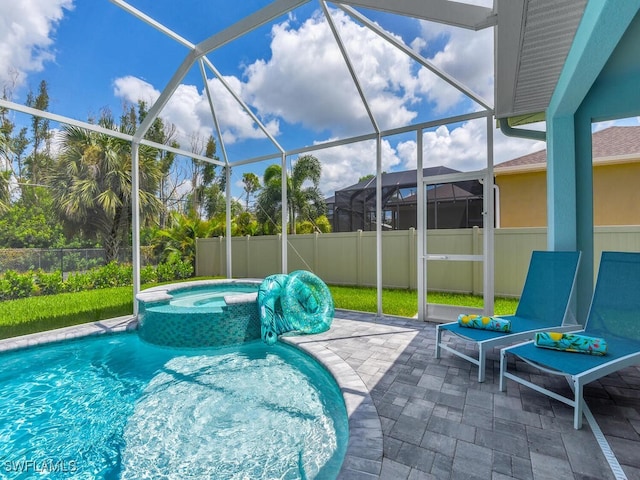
<point>298,302</point>
<point>307,303</point>
<point>271,319</point>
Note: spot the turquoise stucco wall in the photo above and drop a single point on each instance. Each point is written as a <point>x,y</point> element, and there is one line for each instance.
<point>600,81</point>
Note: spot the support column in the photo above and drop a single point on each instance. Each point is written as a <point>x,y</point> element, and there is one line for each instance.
<point>570,198</point>
<point>379,223</point>
<point>584,214</point>
<point>285,215</point>
<point>422,231</point>
<point>135,221</point>
<point>561,184</point>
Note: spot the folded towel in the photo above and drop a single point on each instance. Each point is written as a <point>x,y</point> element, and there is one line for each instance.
<point>570,342</point>
<point>485,323</point>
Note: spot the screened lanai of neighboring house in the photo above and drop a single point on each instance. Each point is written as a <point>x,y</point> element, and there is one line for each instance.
<point>450,205</point>
<point>571,62</point>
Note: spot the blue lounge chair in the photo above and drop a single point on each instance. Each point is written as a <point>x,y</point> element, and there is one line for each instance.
<point>614,316</point>
<point>544,304</point>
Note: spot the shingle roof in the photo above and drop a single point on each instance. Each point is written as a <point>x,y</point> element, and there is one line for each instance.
<point>400,179</point>
<point>610,142</point>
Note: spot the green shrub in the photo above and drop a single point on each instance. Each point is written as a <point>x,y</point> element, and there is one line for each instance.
<point>17,285</point>
<point>148,274</point>
<point>78,282</point>
<point>183,270</point>
<point>5,289</point>
<point>49,283</point>
<point>20,285</point>
<point>174,269</point>
<point>106,276</point>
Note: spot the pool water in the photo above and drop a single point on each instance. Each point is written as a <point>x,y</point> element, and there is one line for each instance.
<point>208,296</point>
<point>116,407</point>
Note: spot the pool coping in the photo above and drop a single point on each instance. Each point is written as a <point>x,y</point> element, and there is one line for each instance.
<point>363,458</point>
<point>126,323</point>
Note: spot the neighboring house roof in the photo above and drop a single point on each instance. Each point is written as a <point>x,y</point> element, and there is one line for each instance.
<point>613,143</point>
<point>405,178</point>
<point>447,191</point>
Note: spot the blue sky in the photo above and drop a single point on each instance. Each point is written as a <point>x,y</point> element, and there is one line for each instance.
<point>94,55</point>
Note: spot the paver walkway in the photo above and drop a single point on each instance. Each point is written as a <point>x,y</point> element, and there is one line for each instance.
<point>439,422</point>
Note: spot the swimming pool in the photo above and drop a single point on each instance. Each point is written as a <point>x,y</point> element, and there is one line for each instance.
<point>117,407</point>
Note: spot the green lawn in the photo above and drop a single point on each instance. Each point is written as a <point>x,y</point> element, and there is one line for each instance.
<point>36,314</point>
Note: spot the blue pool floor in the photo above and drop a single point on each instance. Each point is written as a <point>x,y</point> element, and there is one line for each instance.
<point>422,417</point>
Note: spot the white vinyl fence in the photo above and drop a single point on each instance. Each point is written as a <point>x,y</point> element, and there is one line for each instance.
<point>349,258</point>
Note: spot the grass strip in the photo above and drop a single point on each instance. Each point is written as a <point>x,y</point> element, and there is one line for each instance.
<point>404,302</point>
<point>37,314</point>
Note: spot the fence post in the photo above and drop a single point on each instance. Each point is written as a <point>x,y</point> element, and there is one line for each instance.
<point>476,245</point>
<point>221,267</point>
<point>248,273</point>
<point>413,259</point>
<point>279,252</point>
<point>315,252</point>
<point>359,258</point>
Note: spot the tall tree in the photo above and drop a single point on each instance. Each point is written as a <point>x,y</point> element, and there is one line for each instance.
<point>91,183</point>
<point>206,187</point>
<point>304,199</point>
<point>39,159</point>
<point>12,147</point>
<point>251,185</point>
<point>163,133</point>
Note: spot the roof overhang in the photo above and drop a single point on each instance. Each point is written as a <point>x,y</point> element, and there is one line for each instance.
<point>533,38</point>
<point>454,13</point>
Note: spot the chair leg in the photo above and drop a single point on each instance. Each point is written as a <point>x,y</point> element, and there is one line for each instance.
<point>577,409</point>
<point>438,340</point>
<point>503,369</point>
<point>482,359</point>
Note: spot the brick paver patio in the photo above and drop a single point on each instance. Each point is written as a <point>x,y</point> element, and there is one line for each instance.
<point>438,422</point>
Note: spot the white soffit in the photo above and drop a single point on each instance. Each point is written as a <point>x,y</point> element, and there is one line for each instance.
<point>533,38</point>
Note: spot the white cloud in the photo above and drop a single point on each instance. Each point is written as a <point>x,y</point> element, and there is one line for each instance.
<point>26,30</point>
<point>464,147</point>
<point>343,166</point>
<point>132,89</point>
<point>188,109</point>
<point>306,80</point>
<point>467,56</point>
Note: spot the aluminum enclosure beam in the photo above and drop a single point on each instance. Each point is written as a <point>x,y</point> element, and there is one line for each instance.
<point>244,26</point>
<point>441,11</point>
<point>347,60</point>
<point>92,127</point>
<point>417,57</point>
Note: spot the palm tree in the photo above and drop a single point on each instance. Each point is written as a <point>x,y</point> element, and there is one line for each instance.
<point>5,191</point>
<point>304,199</point>
<point>91,184</point>
<point>179,240</point>
<point>251,185</point>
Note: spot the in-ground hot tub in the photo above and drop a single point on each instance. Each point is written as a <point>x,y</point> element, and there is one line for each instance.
<point>204,313</point>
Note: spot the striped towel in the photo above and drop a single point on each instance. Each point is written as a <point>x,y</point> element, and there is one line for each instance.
<point>485,323</point>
